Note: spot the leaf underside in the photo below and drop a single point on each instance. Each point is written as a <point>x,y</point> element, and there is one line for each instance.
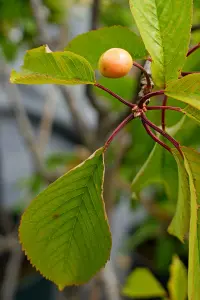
<point>64,231</point>
<point>41,66</point>
<point>165,29</point>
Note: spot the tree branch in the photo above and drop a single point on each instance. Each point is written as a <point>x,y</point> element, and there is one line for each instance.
<point>78,121</point>
<point>97,105</point>
<point>101,109</point>
<point>47,119</point>
<point>40,20</point>
<point>24,126</point>
<point>11,276</point>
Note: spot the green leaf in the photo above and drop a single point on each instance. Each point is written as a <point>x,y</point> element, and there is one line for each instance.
<point>165,29</point>
<point>113,13</point>
<point>41,66</point>
<point>179,226</point>
<point>192,165</point>
<point>192,113</point>
<point>158,168</point>
<point>64,231</point>
<point>186,89</point>
<point>142,284</point>
<point>91,45</point>
<point>177,284</point>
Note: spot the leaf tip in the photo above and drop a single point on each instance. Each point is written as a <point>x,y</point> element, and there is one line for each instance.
<point>13,76</point>
<point>61,287</point>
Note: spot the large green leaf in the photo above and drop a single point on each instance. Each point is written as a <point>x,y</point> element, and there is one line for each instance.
<point>179,226</point>
<point>142,284</point>
<point>165,29</point>
<point>41,66</point>
<point>186,89</point>
<point>92,44</point>
<point>192,165</point>
<point>177,284</point>
<point>64,231</point>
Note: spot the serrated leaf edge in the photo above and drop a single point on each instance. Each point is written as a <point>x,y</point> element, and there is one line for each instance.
<point>61,287</point>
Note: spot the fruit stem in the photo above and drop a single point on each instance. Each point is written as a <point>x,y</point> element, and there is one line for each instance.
<point>165,134</point>
<point>149,95</point>
<point>154,137</point>
<point>119,127</point>
<point>193,49</point>
<point>163,113</point>
<point>145,74</point>
<point>164,108</point>
<point>114,95</point>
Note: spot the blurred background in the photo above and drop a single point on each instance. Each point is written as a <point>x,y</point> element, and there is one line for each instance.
<point>47,130</point>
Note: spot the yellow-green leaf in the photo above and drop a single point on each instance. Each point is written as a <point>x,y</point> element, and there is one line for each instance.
<point>186,89</point>
<point>192,165</point>
<point>64,231</point>
<point>165,29</point>
<point>177,284</point>
<point>142,284</point>
<point>41,66</point>
<point>192,113</point>
<point>179,226</point>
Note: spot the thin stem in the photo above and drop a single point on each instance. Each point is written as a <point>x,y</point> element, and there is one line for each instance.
<point>163,113</point>
<point>193,49</point>
<point>164,108</point>
<point>188,73</point>
<point>145,74</point>
<point>114,95</point>
<point>165,134</point>
<point>148,96</point>
<point>119,127</point>
<point>154,137</point>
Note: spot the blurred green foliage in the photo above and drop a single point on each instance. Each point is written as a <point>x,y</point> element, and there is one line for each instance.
<point>18,26</point>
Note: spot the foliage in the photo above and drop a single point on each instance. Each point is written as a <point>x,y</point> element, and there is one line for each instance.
<point>17,25</point>
<point>177,284</point>
<point>72,235</point>
<point>63,227</point>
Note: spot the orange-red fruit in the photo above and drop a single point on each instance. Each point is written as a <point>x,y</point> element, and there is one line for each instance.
<point>115,63</point>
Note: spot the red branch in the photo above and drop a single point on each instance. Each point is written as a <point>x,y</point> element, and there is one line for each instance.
<point>119,127</point>
<point>114,95</point>
<point>193,49</point>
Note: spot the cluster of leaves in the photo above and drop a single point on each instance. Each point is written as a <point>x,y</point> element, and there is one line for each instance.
<point>177,284</point>
<point>64,227</point>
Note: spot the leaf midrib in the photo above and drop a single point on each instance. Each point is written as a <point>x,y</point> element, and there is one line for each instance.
<point>77,215</point>
<point>162,42</point>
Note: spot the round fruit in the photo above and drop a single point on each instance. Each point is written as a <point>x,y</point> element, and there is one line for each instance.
<point>115,63</point>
